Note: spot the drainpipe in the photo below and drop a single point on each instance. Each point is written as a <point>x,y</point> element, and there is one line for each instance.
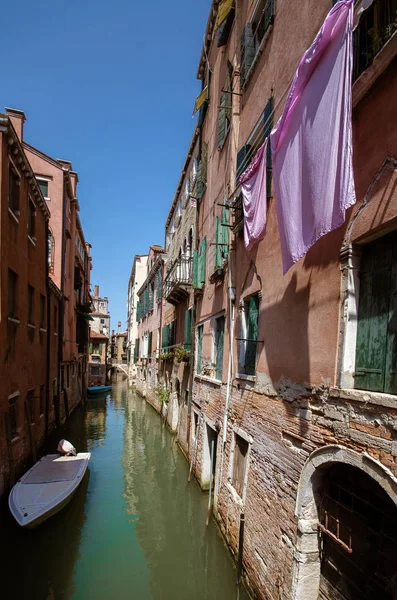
<point>231,294</point>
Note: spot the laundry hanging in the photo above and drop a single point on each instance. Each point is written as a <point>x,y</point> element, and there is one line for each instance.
<point>253,187</point>
<point>312,141</point>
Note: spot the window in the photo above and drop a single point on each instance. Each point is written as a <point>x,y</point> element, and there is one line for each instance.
<point>51,252</point>
<point>12,407</point>
<point>202,163</point>
<point>43,185</point>
<point>102,321</point>
<point>224,21</point>
<point>13,190</point>
<point>221,239</point>
<point>187,190</point>
<point>31,404</point>
<point>219,341</point>
<point>260,132</point>
<point>42,311</point>
<point>376,350</point>
<point>30,305</point>
<point>67,376</point>
<point>32,220</point>
<point>94,370</point>
<point>225,108</point>
<point>200,334</point>
<point>199,265</point>
<point>55,319</point>
<point>149,343</point>
<point>42,399</point>
<point>249,336</point>
<point>240,456</point>
<point>159,284</point>
<point>188,329</point>
<point>253,35</point>
<point>12,294</point>
<point>377,25</point>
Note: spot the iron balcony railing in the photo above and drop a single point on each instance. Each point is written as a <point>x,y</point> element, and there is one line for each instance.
<point>377,25</point>
<point>179,273</point>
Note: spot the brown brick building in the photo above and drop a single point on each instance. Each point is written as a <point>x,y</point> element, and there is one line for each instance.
<point>294,375</point>
<point>44,297</point>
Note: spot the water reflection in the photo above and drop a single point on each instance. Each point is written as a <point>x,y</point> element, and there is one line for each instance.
<point>186,560</point>
<point>134,528</point>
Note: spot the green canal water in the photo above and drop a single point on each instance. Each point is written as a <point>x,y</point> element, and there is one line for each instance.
<point>134,530</point>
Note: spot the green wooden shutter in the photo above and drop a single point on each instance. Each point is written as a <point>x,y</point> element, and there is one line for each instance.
<point>222,120</point>
<point>243,161</point>
<point>204,161</point>
<point>165,337</point>
<point>225,232</point>
<point>219,342</point>
<point>195,279</point>
<point>200,188</point>
<point>247,52</point>
<point>159,283</point>
<point>269,14</point>
<point>202,262</point>
<point>218,248</point>
<point>376,352</point>
<point>200,331</point>
<point>252,335</point>
<point>91,349</point>
<point>268,126</point>
<point>188,329</point>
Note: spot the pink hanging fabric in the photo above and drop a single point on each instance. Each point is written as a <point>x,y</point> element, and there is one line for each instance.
<point>312,141</point>
<point>253,186</point>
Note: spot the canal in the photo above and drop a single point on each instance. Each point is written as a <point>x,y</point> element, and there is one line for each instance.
<point>135,528</point>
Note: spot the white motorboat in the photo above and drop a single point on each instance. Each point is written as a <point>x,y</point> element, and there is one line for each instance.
<point>46,488</point>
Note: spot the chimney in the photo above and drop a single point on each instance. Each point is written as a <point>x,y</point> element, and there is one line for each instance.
<point>17,118</point>
<point>96,293</point>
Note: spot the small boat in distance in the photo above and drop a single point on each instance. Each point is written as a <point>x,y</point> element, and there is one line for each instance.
<point>98,389</point>
<point>46,488</point>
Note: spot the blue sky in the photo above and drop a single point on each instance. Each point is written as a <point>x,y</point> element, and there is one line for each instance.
<point>109,86</point>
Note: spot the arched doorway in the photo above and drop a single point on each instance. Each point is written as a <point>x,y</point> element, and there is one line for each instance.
<point>347,528</point>
<point>358,537</point>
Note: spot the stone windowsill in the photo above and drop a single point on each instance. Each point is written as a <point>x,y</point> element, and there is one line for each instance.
<point>42,330</point>
<point>32,240</point>
<point>209,379</point>
<point>245,377</point>
<point>376,398</point>
<point>31,326</point>
<point>234,494</point>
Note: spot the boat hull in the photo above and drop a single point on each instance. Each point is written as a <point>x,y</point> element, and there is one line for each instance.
<point>100,389</point>
<point>32,502</point>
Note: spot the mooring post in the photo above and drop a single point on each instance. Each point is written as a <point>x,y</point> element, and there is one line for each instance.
<point>211,478</point>
<point>240,549</point>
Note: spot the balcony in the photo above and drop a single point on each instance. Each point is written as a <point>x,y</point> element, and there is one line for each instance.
<point>377,26</point>
<point>178,280</point>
